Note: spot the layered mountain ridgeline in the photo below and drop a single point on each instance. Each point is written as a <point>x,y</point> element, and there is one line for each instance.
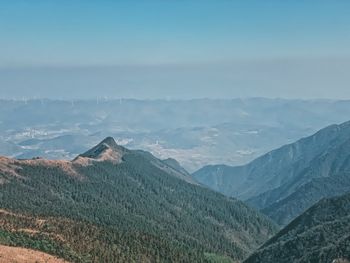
<point>201,131</point>
<point>319,235</point>
<point>288,208</point>
<point>285,182</point>
<point>112,204</point>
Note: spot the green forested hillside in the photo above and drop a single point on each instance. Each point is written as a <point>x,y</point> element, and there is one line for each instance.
<point>319,235</point>
<point>285,210</point>
<point>285,182</point>
<point>120,205</point>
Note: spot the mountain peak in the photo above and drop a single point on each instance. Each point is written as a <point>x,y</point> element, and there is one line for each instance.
<point>106,150</point>
<point>110,142</point>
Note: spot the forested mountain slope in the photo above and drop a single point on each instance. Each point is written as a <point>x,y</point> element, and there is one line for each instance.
<point>112,204</point>
<point>320,235</point>
<point>286,181</point>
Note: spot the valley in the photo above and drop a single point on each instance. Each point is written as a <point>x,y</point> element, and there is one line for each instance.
<point>75,198</point>
<point>167,131</point>
<point>194,132</point>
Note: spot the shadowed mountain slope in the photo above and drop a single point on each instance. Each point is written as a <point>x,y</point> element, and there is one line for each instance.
<point>285,182</point>
<point>320,235</point>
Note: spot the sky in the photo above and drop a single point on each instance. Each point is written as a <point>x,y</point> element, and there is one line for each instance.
<point>174,48</point>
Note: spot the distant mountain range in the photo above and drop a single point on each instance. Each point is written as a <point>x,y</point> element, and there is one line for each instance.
<point>285,182</point>
<point>194,132</point>
<point>112,204</point>
<point>320,235</point>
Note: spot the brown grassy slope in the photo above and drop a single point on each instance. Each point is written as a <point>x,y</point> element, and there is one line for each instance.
<point>23,255</point>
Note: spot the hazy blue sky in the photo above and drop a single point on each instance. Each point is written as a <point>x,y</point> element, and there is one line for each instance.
<point>175,48</point>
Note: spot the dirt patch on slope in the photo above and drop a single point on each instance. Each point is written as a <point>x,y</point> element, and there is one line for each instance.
<point>107,154</point>
<point>23,255</point>
<point>7,166</point>
<point>66,166</point>
<point>12,167</point>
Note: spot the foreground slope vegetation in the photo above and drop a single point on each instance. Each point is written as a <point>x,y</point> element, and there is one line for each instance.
<point>320,235</point>
<point>116,205</point>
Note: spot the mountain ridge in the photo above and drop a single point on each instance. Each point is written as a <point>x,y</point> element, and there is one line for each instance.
<point>277,175</point>
<point>138,209</point>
